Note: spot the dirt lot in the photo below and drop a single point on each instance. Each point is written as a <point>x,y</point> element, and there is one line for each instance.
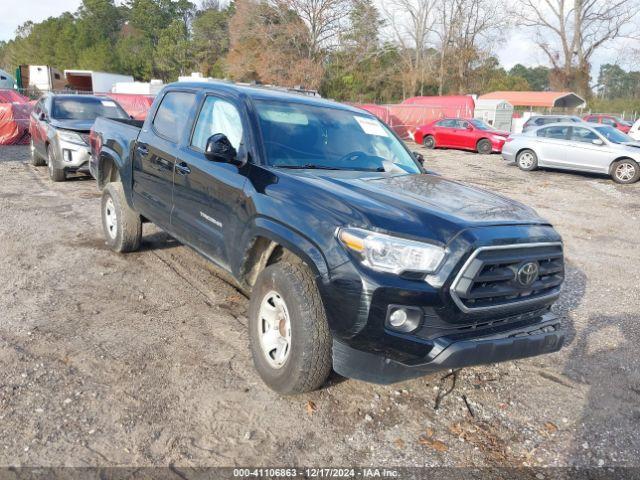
<point>143,360</point>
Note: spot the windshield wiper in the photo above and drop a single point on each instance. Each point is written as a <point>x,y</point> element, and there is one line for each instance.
<point>309,166</point>
<point>312,166</point>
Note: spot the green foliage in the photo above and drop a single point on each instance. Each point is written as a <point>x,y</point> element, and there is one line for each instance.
<point>614,82</point>
<point>536,77</point>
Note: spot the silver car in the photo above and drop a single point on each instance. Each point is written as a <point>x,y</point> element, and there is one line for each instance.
<point>59,127</point>
<point>581,147</point>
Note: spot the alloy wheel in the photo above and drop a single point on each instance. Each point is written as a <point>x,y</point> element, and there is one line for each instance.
<point>110,218</point>
<point>625,171</point>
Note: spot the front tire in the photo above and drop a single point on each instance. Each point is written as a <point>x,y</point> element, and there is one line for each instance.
<point>484,147</point>
<point>121,225</point>
<point>429,142</point>
<point>625,171</point>
<point>527,160</point>
<point>36,159</point>
<point>55,174</point>
<point>288,329</point>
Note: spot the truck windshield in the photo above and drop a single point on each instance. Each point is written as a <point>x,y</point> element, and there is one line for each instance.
<point>613,134</point>
<point>86,108</point>
<point>308,136</point>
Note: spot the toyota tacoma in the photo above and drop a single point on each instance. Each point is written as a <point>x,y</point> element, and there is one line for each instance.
<point>354,257</point>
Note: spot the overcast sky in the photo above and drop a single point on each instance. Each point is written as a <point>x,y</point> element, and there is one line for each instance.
<point>518,48</point>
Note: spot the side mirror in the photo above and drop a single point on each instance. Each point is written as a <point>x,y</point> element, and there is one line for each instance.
<point>597,141</point>
<point>419,157</point>
<point>219,149</point>
<point>469,128</point>
<point>42,117</point>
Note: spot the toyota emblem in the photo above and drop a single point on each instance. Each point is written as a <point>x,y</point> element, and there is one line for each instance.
<point>527,274</point>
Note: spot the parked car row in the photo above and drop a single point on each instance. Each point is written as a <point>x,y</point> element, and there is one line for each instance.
<point>557,141</point>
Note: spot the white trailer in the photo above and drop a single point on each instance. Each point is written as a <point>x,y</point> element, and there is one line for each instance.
<point>138,88</point>
<point>497,113</point>
<point>97,82</point>
<point>41,78</point>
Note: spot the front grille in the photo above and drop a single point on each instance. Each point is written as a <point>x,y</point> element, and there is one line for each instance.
<point>504,276</point>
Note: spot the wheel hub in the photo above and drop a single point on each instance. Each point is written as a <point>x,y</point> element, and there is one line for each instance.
<point>111,220</point>
<point>274,329</point>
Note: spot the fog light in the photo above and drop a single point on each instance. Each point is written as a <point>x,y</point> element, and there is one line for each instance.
<point>403,319</point>
<point>397,318</point>
<point>66,154</point>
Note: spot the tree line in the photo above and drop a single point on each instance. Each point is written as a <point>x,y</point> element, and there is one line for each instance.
<point>353,50</point>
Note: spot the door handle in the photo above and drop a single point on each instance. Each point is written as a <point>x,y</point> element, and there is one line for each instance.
<point>142,149</point>
<point>182,169</point>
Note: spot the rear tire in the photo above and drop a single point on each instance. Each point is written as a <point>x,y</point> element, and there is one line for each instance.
<point>290,339</point>
<point>484,147</point>
<point>429,142</point>
<point>36,159</point>
<point>55,174</point>
<point>121,225</point>
<point>527,160</point>
<point>625,171</point>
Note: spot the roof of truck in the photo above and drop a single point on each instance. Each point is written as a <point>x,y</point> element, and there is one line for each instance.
<point>266,93</point>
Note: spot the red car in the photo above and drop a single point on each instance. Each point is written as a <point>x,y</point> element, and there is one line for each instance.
<point>466,134</point>
<point>612,120</point>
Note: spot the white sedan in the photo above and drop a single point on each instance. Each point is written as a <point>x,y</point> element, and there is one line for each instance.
<point>584,147</point>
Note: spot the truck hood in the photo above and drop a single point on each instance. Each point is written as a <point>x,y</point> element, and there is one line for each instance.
<point>75,125</point>
<point>421,204</point>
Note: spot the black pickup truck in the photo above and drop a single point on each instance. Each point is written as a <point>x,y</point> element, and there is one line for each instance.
<point>354,257</point>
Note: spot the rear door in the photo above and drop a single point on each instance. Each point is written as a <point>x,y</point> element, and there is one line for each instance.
<point>583,154</point>
<point>444,131</point>
<point>208,195</point>
<point>552,144</point>
<point>155,154</point>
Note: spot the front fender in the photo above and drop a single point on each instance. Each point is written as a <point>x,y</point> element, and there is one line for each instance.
<point>283,235</point>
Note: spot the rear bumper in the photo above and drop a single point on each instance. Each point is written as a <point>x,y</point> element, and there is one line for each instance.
<point>546,336</point>
<point>508,156</point>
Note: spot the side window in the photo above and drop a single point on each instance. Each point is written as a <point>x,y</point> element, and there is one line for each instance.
<point>539,121</point>
<point>172,114</point>
<point>608,121</point>
<point>217,116</point>
<point>446,123</point>
<point>583,135</point>
<point>462,124</point>
<point>559,133</point>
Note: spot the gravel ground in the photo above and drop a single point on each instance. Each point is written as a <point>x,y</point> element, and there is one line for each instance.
<point>143,359</point>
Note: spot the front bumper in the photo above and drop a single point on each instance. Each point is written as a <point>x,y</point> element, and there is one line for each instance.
<point>547,336</point>
<point>73,157</point>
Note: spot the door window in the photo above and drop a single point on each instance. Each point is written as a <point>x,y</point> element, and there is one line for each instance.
<point>172,114</point>
<point>559,133</point>
<point>446,123</point>
<point>585,135</point>
<point>462,124</point>
<point>217,116</point>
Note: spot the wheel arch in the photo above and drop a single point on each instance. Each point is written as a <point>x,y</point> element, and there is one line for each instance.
<point>108,170</point>
<point>271,242</point>
<point>622,157</point>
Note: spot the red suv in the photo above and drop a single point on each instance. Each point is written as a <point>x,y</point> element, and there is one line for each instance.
<point>466,134</point>
<point>611,120</point>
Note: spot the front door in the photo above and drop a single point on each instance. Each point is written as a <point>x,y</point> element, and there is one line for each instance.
<point>155,154</point>
<point>208,195</point>
<point>583,154</point>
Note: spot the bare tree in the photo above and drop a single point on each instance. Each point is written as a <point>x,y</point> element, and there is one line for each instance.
<point>324,18</point>
<point>476,24</point>
<point>411,23</point>
<point>569,32</point>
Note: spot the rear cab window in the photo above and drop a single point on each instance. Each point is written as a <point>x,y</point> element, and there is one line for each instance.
<point>172,114</point>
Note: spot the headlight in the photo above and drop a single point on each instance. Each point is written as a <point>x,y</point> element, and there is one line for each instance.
<point>71,137</point>
<point>385,253</point>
